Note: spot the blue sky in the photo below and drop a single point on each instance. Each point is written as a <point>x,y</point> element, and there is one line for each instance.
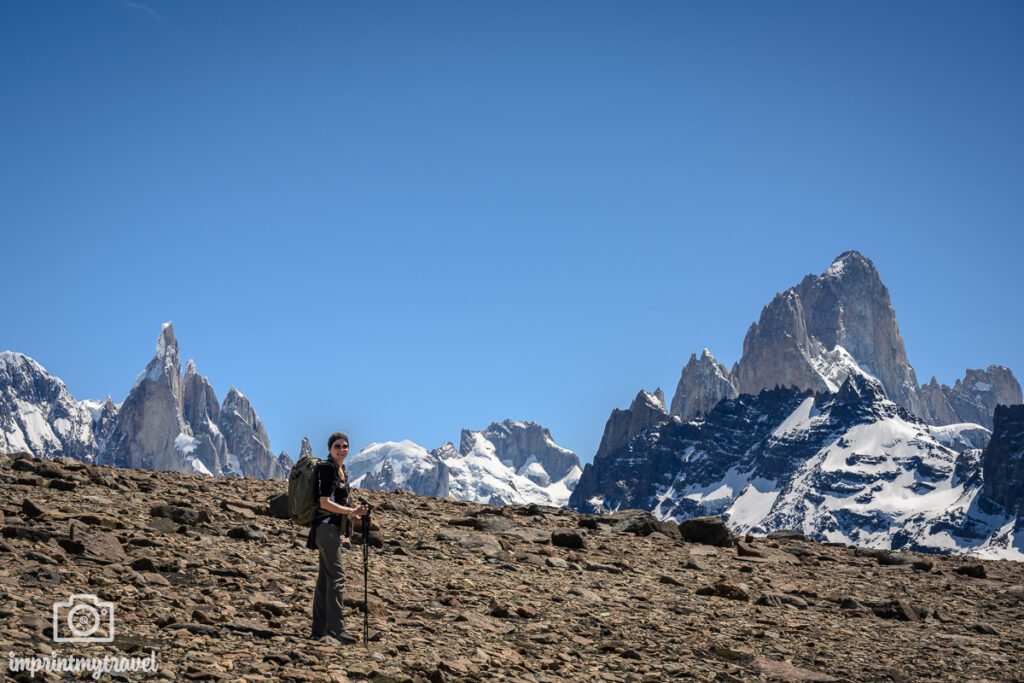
<point>403,219</point>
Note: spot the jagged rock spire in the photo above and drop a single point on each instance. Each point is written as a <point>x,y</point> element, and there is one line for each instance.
<point>150,431</point>
<point>702,384</point>
<point>248,445</point>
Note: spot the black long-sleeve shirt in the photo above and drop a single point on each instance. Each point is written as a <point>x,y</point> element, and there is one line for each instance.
<point>331,482</point>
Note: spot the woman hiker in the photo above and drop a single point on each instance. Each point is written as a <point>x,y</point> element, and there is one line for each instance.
<point>326,535</point>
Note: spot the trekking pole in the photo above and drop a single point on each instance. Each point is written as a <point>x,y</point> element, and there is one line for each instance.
<point>366,573</point>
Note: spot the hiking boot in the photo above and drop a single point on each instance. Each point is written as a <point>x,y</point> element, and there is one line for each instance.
<point>343,637</point>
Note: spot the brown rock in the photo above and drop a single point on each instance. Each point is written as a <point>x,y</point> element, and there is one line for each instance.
<point>707,530</point>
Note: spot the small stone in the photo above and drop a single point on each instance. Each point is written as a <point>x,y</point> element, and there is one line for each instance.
<point>30,509</point>
<point>498,610</point>
<point>975,571</point>
<point>897,609</point>
<point>277,506</point>
<point>144,564</point>
<point>246,533</point>
<point>726,589</point>
<point>888,559</point>
<point>526,611</point>
<point>744,550</point>
<point>569,539</point>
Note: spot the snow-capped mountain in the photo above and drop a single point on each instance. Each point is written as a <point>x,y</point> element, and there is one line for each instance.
<point>38,414</point>
<point>509,463</point>
<point>167,421</point>
<point>150,431</point>
<point>814,335</point>
<point>849,466</point>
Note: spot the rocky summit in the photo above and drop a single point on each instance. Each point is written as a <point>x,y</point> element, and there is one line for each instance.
<point>167,421</point>
<point>201,574</point>
<point>817,333</point>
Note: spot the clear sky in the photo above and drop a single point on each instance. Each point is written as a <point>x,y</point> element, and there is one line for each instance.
<point>406,218</point>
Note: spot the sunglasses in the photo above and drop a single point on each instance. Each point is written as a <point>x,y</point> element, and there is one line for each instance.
<point>340,445</point>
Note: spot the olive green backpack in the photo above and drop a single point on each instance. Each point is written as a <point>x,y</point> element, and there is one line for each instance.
<point>302,490</point>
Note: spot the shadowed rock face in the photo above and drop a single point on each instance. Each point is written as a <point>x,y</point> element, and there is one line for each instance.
<point>202,414</point>
<point>634,466</point>
<point>246,438</point>
<point>939,410</point>
<point>607,478</point>
<point>1003,460</point>
<point>845,306</point>
<point>703,383</point>
<point>647,410</point>
<point>975,397</point>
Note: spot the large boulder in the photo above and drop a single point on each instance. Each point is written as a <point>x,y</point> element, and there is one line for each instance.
<point>709,530</point>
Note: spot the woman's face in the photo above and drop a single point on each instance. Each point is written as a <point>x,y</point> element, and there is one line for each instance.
<point>339,449</point>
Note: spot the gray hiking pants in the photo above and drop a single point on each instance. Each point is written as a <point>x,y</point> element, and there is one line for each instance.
<point>330,583</point>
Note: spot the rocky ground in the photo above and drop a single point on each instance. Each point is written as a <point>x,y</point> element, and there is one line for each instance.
<point>201,573</point>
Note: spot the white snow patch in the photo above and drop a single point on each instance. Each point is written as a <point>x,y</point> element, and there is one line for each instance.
<point>185,445</point>
<point>836,365</point>
<point>752,505</point>
<point>37,430</point>
<point>798,421</point>
<point>718,495</point>
<point>836,269</point>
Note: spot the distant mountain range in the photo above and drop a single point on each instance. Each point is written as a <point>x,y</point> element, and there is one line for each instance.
<point>820,426</point>
<point>167,422</point>
<point>173,421</point>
